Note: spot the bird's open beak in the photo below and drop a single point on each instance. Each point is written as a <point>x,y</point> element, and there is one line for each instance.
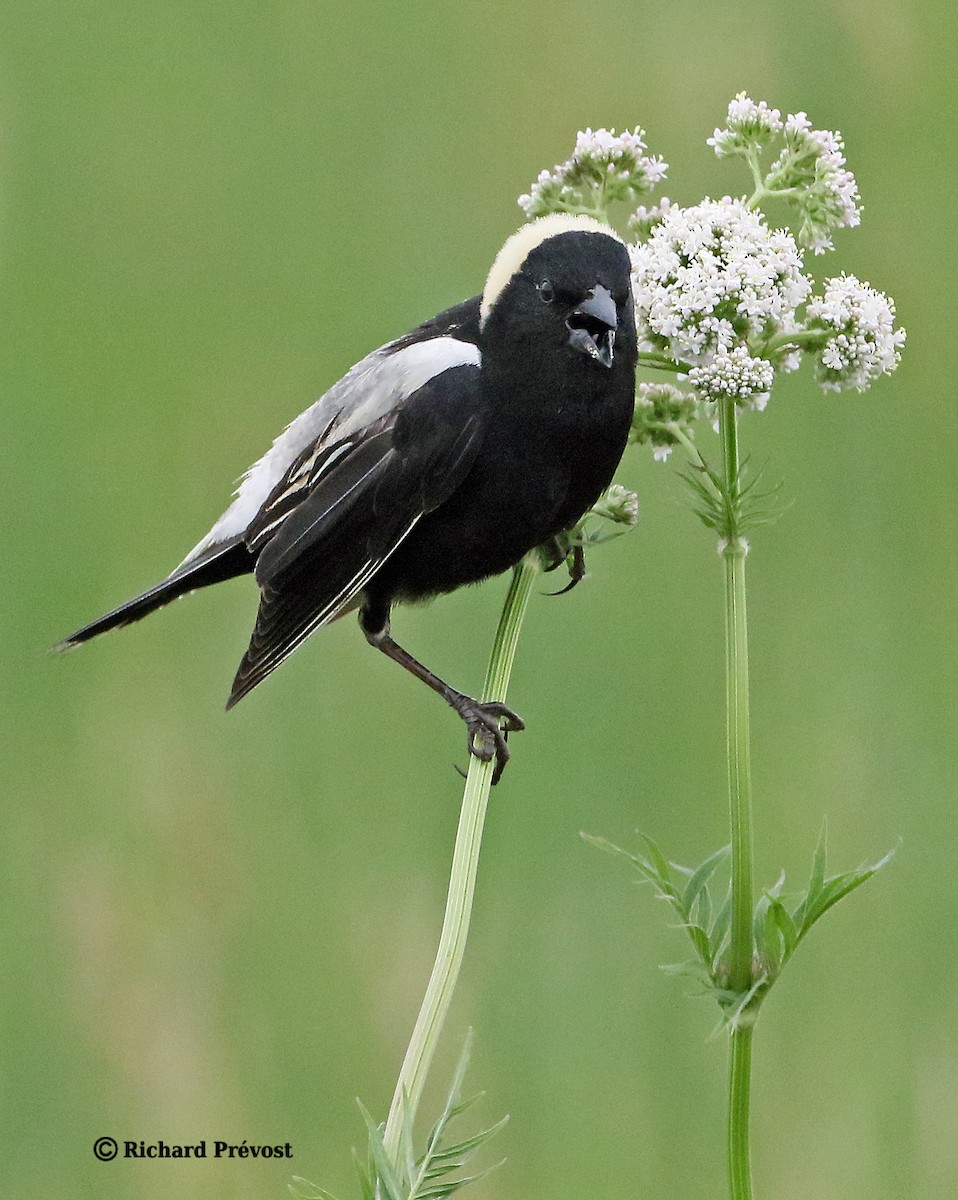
<point>593,324</point>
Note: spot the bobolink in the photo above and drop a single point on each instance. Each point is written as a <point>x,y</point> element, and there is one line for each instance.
<point>440,459</point>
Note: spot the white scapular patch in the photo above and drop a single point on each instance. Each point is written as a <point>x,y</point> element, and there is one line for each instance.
<point>369,390</point>
<point>518,248</point>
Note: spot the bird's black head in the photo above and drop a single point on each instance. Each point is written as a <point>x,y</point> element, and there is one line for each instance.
<point>559,296</point>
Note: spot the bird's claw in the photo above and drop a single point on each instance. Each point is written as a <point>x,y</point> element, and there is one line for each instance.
<point>489,725</point>
<point>576,571</point>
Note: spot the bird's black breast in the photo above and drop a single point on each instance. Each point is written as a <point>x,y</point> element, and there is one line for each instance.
<point>554,423</point>
<point>542,461</point>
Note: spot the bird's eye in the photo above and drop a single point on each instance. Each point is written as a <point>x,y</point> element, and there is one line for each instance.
<point>546,291</point>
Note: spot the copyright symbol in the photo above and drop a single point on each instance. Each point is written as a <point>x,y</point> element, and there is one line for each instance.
<point>105,1148</point>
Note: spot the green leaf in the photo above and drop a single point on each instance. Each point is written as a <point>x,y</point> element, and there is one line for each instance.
<point>367,1185</point>
<point>693,968</point>
<point>461,1149</point>
<point>304,1190</point>
<point>654,870</point>
<point>700,940</point>
<point>447,1189</point>
<point>720,928</point>
<point>758,922</point>
<point>701,875</point>
<point>435,1174</point>
<point>772,937</point>
<point>786,926</point>
<point>839,886</point>
<point>704,914</point>
<point>661,866</point>
<point>816,879</point>
<point>385,1171</point>
<point>405,1150</point>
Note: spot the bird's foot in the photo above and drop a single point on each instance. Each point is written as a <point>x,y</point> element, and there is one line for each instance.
<point>488,724</point>
<point>576,561</point>
<point>554,552</point>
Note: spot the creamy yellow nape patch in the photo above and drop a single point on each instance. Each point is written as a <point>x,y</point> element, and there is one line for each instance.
<point>518,248</point>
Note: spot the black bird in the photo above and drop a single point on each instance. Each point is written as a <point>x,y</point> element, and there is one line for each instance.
<point>440,459</point>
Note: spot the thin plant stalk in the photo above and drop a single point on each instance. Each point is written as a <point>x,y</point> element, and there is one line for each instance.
<point>462,881</point>
<point>734,554</point>
<point>739,1091</point>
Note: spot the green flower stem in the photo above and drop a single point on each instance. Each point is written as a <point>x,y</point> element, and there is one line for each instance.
<point>581,210</point>
<point>734,552</point>
<point>798,338</point>
<point>462,882</point>
<point>661,362</point>
<point>753,165</point>
<point>739,1081</point>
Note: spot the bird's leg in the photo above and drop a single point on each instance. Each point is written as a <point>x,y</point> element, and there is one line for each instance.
<point>489,723</point>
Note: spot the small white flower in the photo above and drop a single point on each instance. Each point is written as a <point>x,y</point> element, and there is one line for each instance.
<point>663,414</point>
<point>749,127</point>
<point>712,277</point>
<point>618,504</point>
<point>734,373</point>
<point>797,123</point>
<point>812,169</point>
<point>862,341</point>
<point>605,168</point>
<point>644,219</point>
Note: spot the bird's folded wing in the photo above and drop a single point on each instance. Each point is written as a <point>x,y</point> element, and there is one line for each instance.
<point>369,392</point>
<point>318,555</point>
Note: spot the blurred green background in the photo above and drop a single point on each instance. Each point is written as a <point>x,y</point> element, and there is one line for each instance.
<point>220,926</point>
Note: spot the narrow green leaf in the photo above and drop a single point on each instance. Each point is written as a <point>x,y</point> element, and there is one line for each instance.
<point>758,922</point>
<point>703,916</point>
<point>839,886</point>
<point>659,862</point>
<point>602,843</point>
<point>436,1172</point>
<point>720,928</point>
<point>460,1149</point>
<point>650,869</point>
<point>772,938</point>
<point>816,879</point>
<point>304,1190</point>
<point>701,875</point>
<point>700,940</point>
<point>366,1181</point>
<point>447,1189</point>
<point>786,926</point>
<point>385,1170</point>
<point>693,968</point>
<point>406,1148</point>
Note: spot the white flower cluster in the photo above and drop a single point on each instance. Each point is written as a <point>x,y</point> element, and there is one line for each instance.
<point>605,168</point>
<point>734,373</point>
<point>662,412</point>
<point>862,342</point>
<point>619,505</point>
<point>827,195</point>
<point>712,277</point>
<point>810,172</point>
<point>644,219</point>
<point>722,300</point>
<point>749,126</point>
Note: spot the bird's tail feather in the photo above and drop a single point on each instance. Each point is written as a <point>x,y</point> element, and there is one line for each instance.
<point>216,564</point>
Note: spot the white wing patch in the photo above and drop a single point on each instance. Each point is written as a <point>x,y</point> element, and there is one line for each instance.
<point>368,391</point>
